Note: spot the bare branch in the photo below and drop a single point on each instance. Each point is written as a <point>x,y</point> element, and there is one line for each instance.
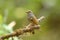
<point>29,28</point>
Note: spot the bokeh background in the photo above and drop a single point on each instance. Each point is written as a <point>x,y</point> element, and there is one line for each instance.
<point>14,10</point>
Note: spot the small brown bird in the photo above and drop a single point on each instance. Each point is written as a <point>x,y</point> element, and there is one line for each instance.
<point>31,17</point>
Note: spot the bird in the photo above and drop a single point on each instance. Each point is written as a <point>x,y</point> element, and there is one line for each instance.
<point>31,17</point>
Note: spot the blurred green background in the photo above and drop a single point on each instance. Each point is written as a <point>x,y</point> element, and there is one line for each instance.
<point>14,10</point>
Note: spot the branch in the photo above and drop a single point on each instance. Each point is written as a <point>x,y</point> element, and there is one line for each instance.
<point>29,28</point>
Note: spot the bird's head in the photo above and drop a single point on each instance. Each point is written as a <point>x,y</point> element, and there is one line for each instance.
<point>29,11</point>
